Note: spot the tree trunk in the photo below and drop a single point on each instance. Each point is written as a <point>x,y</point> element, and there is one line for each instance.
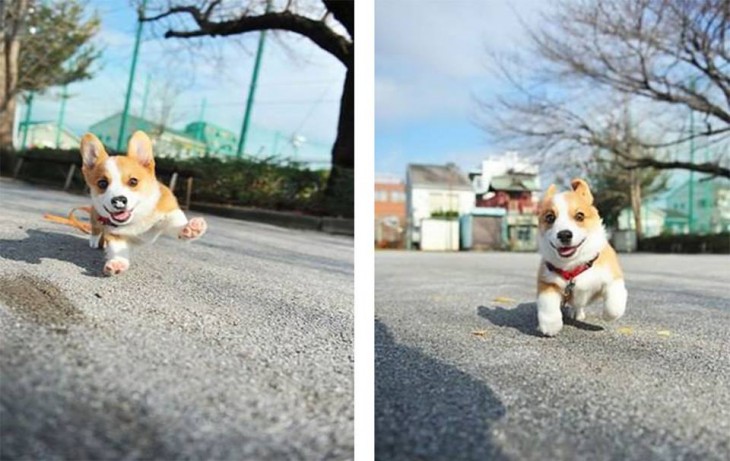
<point>13,13</point>
<point>339,194</point>
<point>8,82</point>
<point>636,202</point>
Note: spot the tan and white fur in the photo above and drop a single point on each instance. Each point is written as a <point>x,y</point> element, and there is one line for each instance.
<point>571,233</point>
<point>130,207</point>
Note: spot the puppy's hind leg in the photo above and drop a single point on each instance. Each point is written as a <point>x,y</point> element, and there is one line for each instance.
<point>615,302</point>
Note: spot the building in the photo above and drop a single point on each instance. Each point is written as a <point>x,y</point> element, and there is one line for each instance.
<point>510,184</point>
<point>390,212</point>
<point>436,192</point>
<point>168,142</point>
<point>218,141</point>
<point>45,134</point>
<point>710,212</point>
<point>653,219</point>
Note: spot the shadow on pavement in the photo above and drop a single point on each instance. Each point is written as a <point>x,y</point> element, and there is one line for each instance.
<point>524,318</point>
<point>39,245</point>
<point>426,409</point>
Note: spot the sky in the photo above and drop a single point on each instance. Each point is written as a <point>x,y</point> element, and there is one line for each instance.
<point>298,89</point>
<point>431,61</point>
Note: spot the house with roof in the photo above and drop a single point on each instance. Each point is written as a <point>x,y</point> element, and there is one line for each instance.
<point>168,142</point>
<point>390,211</point>
<point>46,134</point>
<point>436,195</point>
<point>704,202</point>
<point>218,140</point>
<point>507,191</point>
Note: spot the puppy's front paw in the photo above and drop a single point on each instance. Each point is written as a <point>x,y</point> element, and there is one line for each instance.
<point>116,266</point>
<point>194,229</point>
<point>550,327</point>
<point>95,241</point>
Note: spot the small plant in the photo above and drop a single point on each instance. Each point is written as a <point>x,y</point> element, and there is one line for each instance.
<point>445,214</point>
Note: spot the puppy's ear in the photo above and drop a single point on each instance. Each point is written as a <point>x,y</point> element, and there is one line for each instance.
<point>549,192</point>
<point>140,149</point>
<point>92,151</point>
<point>581,188</point>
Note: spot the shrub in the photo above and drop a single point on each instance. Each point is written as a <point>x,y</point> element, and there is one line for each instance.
<point>690,243</point>
<point>263,183</point>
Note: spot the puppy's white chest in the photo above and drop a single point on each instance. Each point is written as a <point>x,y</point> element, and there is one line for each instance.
<point>588,285</point>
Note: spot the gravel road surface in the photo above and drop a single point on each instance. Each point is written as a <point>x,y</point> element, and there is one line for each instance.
<point>237,346</point>
<point>462,374</point>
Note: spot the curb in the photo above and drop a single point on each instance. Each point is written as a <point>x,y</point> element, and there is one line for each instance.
<point>337,226</point>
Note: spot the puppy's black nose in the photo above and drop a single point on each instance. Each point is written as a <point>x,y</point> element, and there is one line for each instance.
<point>119,202</point>
<point>565,236</point>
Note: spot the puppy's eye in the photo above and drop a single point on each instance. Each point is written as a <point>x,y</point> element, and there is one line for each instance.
<point>103,184</point>
<point>132,182</point>
<point>549,218</point>
<point>580,216</point>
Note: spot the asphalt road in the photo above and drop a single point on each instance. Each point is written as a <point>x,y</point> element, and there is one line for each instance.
<point>237,346</point>
<point>462,374</point>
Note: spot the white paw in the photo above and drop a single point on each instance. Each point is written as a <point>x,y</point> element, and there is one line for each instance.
<point>116,266</point>
<point>550,327</point>
<point>580,315</point>
<point>94,240</point>
<point>615,301</point>
<point>194,229</point>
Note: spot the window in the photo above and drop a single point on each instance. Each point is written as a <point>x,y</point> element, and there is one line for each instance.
<point>440,201</point>
<point>524,233</point>
<point>381,196</point>
<point>397,196</point>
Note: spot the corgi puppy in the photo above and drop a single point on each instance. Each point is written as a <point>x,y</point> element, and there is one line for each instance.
<point>130,206</point>
<point>578,264</point>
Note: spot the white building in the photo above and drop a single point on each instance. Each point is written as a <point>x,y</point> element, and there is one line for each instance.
<point>436,191</point>
<point>45,134</point>
<point>652,220</point>
<point>495,166</point>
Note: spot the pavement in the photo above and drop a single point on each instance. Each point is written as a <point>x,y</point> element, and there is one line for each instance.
<point>461,372</point>
<point>236,346</point>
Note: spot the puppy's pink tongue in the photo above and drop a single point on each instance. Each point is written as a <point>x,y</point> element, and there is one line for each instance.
<point>121,216</point>
<point>566,251</point>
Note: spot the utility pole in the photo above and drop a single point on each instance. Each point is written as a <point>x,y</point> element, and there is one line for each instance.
<point>61,114</point>
<point>26,122</point>
<point>691,217</point>
<point>252,89</point>
<point>201,127</point>
<point>146,94</point>
<point>138,36</point>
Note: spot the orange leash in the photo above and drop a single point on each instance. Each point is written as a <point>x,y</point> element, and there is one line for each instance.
<point>71,220</point>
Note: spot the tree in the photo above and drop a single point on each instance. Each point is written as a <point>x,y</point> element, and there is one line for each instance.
<point>44,44</point>
<point>331,27</point>
<point>670,57</point>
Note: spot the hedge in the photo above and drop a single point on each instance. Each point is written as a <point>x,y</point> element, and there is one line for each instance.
<point>690,243</point>
<point>261,183</point>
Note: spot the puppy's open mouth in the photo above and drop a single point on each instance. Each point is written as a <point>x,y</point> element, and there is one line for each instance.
<point>120,216</point>
<point>567,251</point>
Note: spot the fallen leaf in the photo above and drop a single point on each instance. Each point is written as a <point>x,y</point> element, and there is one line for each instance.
<point>664,333</point>
<point>481,333</point>
<point>503,299</point>
<point>625,330</point>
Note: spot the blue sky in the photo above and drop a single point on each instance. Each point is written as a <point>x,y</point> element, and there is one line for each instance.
<point>431,59</point>
<point>298,93</point>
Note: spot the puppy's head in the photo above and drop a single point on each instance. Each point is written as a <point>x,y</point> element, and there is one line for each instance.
<point>122,187</point>
<point>570,228</point>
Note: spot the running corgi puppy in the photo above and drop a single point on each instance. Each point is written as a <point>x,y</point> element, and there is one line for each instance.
<point>130,207</point>
<point>578,264</point>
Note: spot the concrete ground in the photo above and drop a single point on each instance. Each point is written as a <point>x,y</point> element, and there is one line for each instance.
<point>236,346</point>
<point>462,374</point>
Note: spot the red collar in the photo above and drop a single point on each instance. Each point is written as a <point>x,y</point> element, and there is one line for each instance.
<point>106,221</point>
<point>571,274</point>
